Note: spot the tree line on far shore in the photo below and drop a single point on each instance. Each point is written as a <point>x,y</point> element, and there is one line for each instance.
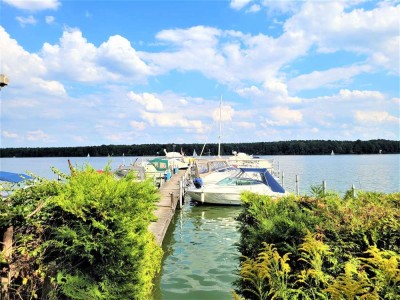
<point>295,147</point>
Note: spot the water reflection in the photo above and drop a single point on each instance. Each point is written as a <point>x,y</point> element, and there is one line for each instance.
<point>200,254</point>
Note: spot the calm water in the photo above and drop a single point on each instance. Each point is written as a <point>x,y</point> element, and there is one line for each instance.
<point>200,255</point>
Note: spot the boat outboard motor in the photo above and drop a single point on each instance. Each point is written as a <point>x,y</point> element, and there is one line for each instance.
<point>198,182</point>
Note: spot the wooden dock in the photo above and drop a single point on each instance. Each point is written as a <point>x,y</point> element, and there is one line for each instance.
<point>169,199</point>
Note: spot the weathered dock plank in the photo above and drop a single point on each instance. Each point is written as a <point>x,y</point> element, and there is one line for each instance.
<point>166,206</point>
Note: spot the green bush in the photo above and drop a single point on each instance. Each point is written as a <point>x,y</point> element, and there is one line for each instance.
<point>86,238</point>
<point>324,247</point>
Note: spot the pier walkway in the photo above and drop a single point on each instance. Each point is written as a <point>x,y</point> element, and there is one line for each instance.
<point>166,206</point>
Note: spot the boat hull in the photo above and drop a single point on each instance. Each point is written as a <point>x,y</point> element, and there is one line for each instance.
<point>226,196</point>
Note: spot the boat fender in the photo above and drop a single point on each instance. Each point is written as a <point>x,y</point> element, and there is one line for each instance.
<point>198,182</point>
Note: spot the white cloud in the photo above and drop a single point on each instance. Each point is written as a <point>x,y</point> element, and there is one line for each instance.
<point>372,118</point>
<point>50,19</point>
<point>250,92</point>
<point>272,91</point>
<point>34,5</point>
<point>191,37</point>
<point>138,125</point>
<point>189,49</point>
<point>227,112</point>
<point>246,125</point>
<point>254,8</point>
<point>352,98</point>
<point>26,20</point>
<point>9,135</point>
<point>118,56</point>
<point>232,57</point>
<point>149,101</point>
<point>173,120</point>
<point>283,116</point>
<point>183,101</point>
<point>279,7</point>
<point>50,87</point>
<point>26,71</point>
<point>79,138</point>
<point>227,56</point>
<point>360,95</point>
<point>373,32</point>
<point>74,57</point>
<point>239,4</point>
<point>37,135</point>
<point>317,79</point>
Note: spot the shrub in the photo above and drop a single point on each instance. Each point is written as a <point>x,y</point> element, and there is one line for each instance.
<point>86,238</point>
<point>339,248</point>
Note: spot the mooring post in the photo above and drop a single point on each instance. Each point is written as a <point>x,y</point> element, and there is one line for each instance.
<point>324,187</point>
<point>297,185</point>
<point>353,190</point>
<point>172,198</point>
<point>180,193</point>
<point>283,179</point>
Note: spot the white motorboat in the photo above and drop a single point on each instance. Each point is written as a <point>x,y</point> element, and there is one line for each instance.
<point>138,172</point>
<point>176,160</point>
<point>228,190</point>
<point>207,171</point>
<point>244,160</point>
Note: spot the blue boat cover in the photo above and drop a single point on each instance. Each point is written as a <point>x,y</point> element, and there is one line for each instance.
<point>271,181</point>
<point>274,185</point>
<point>13,177</point>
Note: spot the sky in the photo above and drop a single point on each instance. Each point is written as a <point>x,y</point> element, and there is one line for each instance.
<point>85,73</point>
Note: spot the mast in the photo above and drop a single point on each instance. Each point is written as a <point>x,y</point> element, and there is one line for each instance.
<point>220,127</point>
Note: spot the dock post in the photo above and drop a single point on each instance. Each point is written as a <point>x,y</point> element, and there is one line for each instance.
<point>297,185</point>
<point>180,193</point>
<point>202,197</point>
<point>283,179</point>
<point>172,199</point>
<point>353,190</point>
<point>324,187</point>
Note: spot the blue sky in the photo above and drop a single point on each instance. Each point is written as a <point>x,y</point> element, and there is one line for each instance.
<point>137,72</point>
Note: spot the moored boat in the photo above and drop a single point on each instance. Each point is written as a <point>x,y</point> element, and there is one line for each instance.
<point>228,190</point>
<point>13,177</point>
<point>207,171</point>
<point>244,160</point>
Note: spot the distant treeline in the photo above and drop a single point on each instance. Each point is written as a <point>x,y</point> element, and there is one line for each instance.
<point>301,147</point>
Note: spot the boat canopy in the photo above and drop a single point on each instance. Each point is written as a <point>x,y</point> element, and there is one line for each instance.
<point>13,177</point>
<point>270,180</point>
<point>160,164</point>
<point>138,171</point>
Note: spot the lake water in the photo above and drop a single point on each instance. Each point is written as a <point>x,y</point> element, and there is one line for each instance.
<point>201,259</point>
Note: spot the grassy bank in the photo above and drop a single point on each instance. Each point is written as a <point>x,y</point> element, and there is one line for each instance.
<point>320,247</point>
<point>84,238</point>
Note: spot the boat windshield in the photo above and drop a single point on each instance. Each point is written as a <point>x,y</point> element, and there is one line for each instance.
<point>211,166</point>
<point>230,181</point>
<point>252,175</point>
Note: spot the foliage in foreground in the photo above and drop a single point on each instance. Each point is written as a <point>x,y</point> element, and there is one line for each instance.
<point>86,238</point>
<point>321,247</point>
